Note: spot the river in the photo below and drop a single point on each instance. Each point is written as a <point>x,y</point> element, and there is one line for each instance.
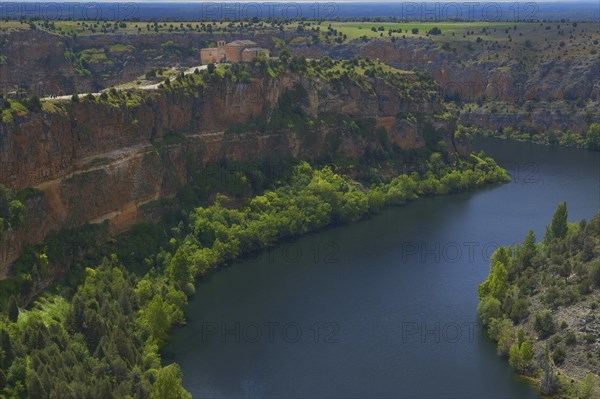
<point>385,307</point>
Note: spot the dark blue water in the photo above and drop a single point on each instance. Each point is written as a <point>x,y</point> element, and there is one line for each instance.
<point>381,308</point>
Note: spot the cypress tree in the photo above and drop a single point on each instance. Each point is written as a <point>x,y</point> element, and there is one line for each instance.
<point>529,250</point>
<point>548,380</point>
<point>558,227</point>
<point>35,388</point>
<point>13,309</point>
<point>6,347</point>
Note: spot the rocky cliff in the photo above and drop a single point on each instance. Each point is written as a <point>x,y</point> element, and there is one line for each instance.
<point>538,88</point>
<point>545,95</point>
<point>103,159</point>
<point>50,64</point>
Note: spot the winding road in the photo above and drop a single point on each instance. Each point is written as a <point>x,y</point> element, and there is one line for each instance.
<point>153,86</point>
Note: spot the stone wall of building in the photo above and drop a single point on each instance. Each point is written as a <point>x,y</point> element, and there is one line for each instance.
<point>251,54</point>
<point>211,55</point>
<point>233,53</point>
<point>236,51</point>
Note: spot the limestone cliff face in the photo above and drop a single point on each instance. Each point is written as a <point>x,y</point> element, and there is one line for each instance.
<point>34,62</point>
<point>47,63</point>
<point>43,63</point>
<point>550,88</point>
<point>544,117</point>
<point>506,80</point>
<point>97,161</point>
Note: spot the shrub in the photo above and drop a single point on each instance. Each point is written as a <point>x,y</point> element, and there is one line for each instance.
<point>570,338</point>
<point>32,103</point>
<point>589,338</point>
<point>151,74</point>
<point>586,387</point>
<point>559,355</point>
<point>520,310</point>
<point>544,325</point>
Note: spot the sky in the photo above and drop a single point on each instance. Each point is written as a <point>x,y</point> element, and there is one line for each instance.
<point>305,1</point>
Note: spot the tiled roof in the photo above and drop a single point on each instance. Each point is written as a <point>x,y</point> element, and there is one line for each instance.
<point>239,43</point>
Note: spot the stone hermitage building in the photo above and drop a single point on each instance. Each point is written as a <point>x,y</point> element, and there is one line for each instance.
<point>236,51</point>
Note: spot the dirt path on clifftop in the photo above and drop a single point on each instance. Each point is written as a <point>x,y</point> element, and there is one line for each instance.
<point>153,86</point>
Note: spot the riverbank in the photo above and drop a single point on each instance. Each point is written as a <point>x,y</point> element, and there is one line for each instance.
<point>589,140</point>
<point>408,266</point>
<point>540,304</point>
<point>117,321</point>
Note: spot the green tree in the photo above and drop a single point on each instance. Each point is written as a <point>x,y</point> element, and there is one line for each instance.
<point>528,250</point>
<point>513,357</point>
<point>526,355</point>
<point>13,309</point>
<point>592,141</point>
<point>284,55</point>
<point>168,384</point>
<point>158,319</point>
<point>548,382</point>
<point>180,267</point>
<point>64,391</point>
<point>558,226</point>
<point>503,256</point>
<point>520,336</point>
<point>489,308</point>
<point>496,283</point>
<point>544,325</point>
<point>587,387</point>
<point>502,330</point>
<point>33,103</point>
<point>17,372</point>
<point>559,355</point>
<point>5,349</point>
<point>519,310</point>
<point>35,388</point>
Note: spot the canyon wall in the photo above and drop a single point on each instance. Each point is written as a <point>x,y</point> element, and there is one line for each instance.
<point>50,64</point>
<point>96,161</point>
<point>561,93</point>
<point>553,95</point>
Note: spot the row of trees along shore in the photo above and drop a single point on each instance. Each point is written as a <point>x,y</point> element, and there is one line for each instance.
<point>540,303</point>
<point>100,337</point>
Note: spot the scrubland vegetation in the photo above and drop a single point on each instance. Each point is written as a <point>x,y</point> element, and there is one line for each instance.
<point>540,303</point>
